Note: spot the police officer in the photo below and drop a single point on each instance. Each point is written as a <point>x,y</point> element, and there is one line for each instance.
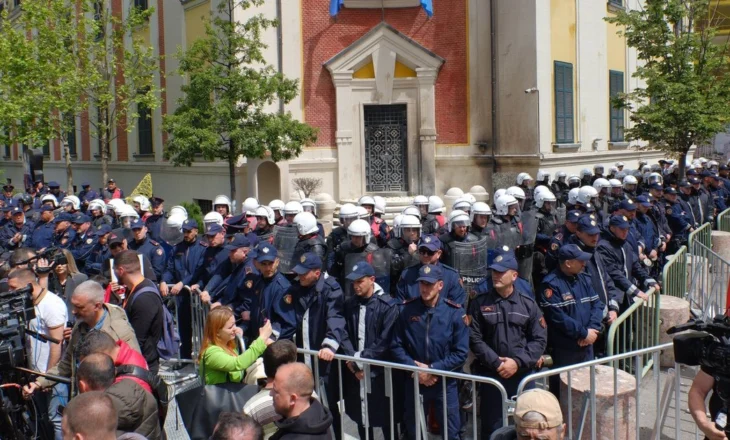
<point>358,244</point>
<point>309,238</point>
<point>403,247</point>
<point>213,256</point>
<point>573,311</point>
<point>100,252</point>
<point>429,253</point>
<point>678,219</point>
<point>559,186</point>
<point>480,214</point>
<point>84,241</point>
<point>430,333</point>
<point>504,227</point>
<point>458,232</point>
<point>547,223</point>
<point>377,225</point>
<point>86,195</point>
<point>44,230</point>
<point>312,315</point>
<point>97,209</point>
<point>434,221</point>
<point>561,237</point>
<point>647,229</point>
<point>7,196</point>
<point>370,315</point>
<point>230,275</point>
<point>156,219</point>
<point>348,214</point>
<point>18,232</point>
<point>148,247</point>
<point>262,290</point>
<point>64,234</point>
<point>507,336</point>
<point>265,221</point>
<point>55,189</point>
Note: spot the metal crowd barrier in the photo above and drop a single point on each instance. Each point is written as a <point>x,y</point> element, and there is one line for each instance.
<point>703,234</point>
<point>674,274</point>
<point>199,311</point>
<point>635,329</point>
<point>709,278</point>
<point>723,221</point>
<point>627,410</point>
<point>389,367</point>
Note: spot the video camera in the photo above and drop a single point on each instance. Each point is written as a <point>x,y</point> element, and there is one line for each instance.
<point>710,349</point>
<point>16,311</point>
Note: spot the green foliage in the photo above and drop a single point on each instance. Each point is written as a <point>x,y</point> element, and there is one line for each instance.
<point>686,71</point>
<point>194,212</point>
<point>223,112</point>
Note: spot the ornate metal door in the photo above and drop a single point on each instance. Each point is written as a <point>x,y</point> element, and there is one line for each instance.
<point>386,137</point>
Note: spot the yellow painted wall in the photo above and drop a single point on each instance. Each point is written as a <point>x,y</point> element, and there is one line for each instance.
<point>403,71</point>
<point>616,48</point>
<point>195,22</point>
<point>365,72</point>
<point>562,39</point>
<point>368,71</point>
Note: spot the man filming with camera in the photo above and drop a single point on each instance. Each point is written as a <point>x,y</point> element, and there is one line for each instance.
<point>703,383</point>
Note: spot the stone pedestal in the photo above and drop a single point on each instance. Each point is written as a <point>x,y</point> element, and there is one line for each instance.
<point>450,197</point>
<point>672,311</point>
<point>479,193</point>
<point>721,244</point>
<point>625,400</point>
<point>325,211</point>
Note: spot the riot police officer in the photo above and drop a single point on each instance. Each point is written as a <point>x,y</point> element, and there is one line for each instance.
<point>479,216</point>
<point>504,227</point>
<point>144,245</point>
<point>545,223</point>
<point>370,315</point>
<point>63,232</point>
<point>377,225</point>
<point>560,238</point>
<point>559,185</point>
<point>348,214</point>
<point>431,334</point>
<point>84,241</point>
<point>310,206</point>
<point>678,219</point>
<point>358,248</point>
<point>55,189</point>
<point>309,238</point>
<point>434,220</point>
<point>265,221</point>
<point>507,336</point>
<point>44,230</point>
<point>458,232</point>
<point>429,252</point>
<point>100,252</point>
<point>97,209</point>
<point>403,247</point>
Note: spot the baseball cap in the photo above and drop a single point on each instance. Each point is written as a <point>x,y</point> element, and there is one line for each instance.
<point>691,172</point>
<point>684,184</point>
<point>102,230</point>
<point>670,190</point>
<point>619,221</point>
<point>63,217</point>
<point>723,168</point>
<point>588,225</point>
<point>430,273</point>
<point>214,229</point>
<point>53,184</point>
<point>644,201</point>
<point>17,210</point>
<point>116,237</point>
<point>137,224</point>
<point>156,201</point>
<point>307,262</point>
<point>504,261</point>
<point>627,205</point>
<point>656,187</point>
<point>694,180</point>
<point>361,270</point>
<point>706,173</point>
<point>266,252</point>
<point>189,224</point>
<point>430,242</point>
<point>542,402</point>
<point>111,181</point>
<point>573,216</point>
<point>81,219</point>
<point>239,241</point>
<point>572,252</point>
<point>8,187</point>
<point>85,184</point>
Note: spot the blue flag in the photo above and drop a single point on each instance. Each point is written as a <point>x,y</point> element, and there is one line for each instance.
<point>335,6</point>
<point>427,6</point>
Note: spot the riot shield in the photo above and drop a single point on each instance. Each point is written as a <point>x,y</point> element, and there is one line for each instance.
<point>269,237</point>
<point>560,214</point>
<point>285,240</point>
<point>524,253</point>
<point>171,232</point>
<point>470,260</point>
<point>379,260</point>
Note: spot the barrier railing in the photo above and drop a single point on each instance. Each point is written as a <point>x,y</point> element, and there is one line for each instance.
<point>703,234</point>
<point>627,407</point>
<point>709,277</point>
<point>674,274</point>
<point>635,329</point>
<point>723,221</point>
<point>199,311</point>
<point>389,368</point>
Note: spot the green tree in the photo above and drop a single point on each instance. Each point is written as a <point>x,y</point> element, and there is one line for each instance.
<point>70,65</point>
<point>685,67</point>
<point>223,112</point>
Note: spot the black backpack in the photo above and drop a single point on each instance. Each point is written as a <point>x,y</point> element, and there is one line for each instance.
<point>158,386</point>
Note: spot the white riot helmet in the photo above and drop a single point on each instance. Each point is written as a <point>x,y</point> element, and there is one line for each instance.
<point>612,171</point>
<point>541,188</point>
<point>561,175</point>
<point>587,194</point>
<point>502,204</point>
<point>366,200</point>
<point>249,206</point>
<point>543,175</point>
<point>435,204</point>
<point>601,183</point>
<point>97,205</point>
<point>49,198</point>
<point>396,225</point>
<point>72,201</point>
<point>348,211</point>
<point>461,204</point>
<point>362,213</point>
<point>615,183</point>
<point>171,230</point>
<point>458,218</point>
<point>585,172</point>
<point>211,218</point>
<point>573,196</point>
<point>522,177</point>
<point>277,205</point>
<point>380,205</point>
<point>222,200</point>
<point>267,213</point>
<point>544,196</point>
<point>646,169</point>
<point>412,211</point>
<point>308,205</point>
<point>479,208</point>
<point>420,200</point>
<point>359,228</point>
<point>143,202</point>
<point>470,197</point>
<point>306,223</point>
<point>655,178</point>
<point>573,179</point>
<point>630,180</point>
<point>499,193</point>
<point>115,205</point>
<point>293,208</point>
<point>409,222</point>
<point>620,175</point>
<point>619,164</point>
<point>179,211</point>
<point>516,192</point>
<point>598,169</point>
<point>127,214</point>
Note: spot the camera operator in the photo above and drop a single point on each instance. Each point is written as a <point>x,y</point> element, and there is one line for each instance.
<point>703,383</point>
<point>50,320</point>
<point>91,313</point>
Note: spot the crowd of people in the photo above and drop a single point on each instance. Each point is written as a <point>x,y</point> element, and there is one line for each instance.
<point>531,281</point>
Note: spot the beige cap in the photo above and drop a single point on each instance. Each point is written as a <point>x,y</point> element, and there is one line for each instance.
<point>539,401</point>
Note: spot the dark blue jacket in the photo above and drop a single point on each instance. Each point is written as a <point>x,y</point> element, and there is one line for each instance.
<point>678,219</point>
<point>183,262</point>
<point>10,230</point>
<point>648,231</point>
<point>623,266</point>
<point>207,264</point>
<point>81,248</point>
<point>260,296</point>
<point>98,256</point>
<point>600,277</point>
<point>560,238</point>
<point>407,287</point>
<point>521,284</point>
<point>154,225</point>
<point>43,235</point>
<point>436,336</point>
<point>65,238</point>
<point>229,282</point>
<point>153,251</point>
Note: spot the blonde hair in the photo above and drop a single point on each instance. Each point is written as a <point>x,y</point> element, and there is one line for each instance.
<point>215,321</point>
<point>71,267</point>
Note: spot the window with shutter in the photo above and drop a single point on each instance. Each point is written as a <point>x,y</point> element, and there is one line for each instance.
<point>563,103</point>
<point>616,87</point>
<point>144,129</point>
<point>72,136</point>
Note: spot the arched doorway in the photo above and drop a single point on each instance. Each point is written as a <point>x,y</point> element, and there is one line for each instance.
<point>268,179</point>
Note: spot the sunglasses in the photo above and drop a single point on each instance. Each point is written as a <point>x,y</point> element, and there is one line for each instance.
<point>425,252</point>
<point>115,245</point>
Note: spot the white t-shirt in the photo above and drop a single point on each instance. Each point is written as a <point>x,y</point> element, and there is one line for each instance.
<point>49,313</point>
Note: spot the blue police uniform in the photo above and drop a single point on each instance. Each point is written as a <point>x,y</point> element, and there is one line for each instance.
<point>648,231</point>
<point>264,295</point>
<point>313,244</point>
<point>511,327</point>
<point>679,223</point>
<point>207,264</point>
<point>438,337</point>
<point>370,323</point>
<point>25,230</point>
<point>65,238</point>
<point>43,235</point>
<point>333,242</point>
<point>560,237</point>
<point>81,248</point>
<point>153,251</point>
<point>154,225</point>
<point>99,255</point>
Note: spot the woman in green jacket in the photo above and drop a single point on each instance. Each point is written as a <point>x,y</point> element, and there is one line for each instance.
<point>219,358</point>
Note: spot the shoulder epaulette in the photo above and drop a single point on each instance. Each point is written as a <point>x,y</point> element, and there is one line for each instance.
<point>453,304</point>
<point>410,300</point>
<point>387,299</point>
<point>447,267</point>
<point>154,242</point>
